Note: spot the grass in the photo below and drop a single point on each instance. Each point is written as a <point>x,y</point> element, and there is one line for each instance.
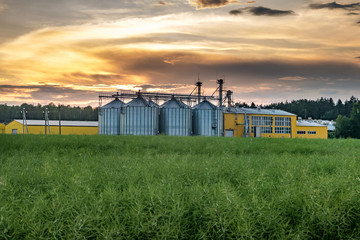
<point>115,187</point>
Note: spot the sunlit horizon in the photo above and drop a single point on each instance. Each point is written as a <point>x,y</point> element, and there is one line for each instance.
<point>267,51</point>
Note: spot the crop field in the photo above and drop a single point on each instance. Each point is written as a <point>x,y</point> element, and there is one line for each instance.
<point>116,187</point>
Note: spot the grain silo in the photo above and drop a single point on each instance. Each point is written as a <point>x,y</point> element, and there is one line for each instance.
<point>207,119</point>
<point>175,118</point>
<point>109,117</point>
<point>139,117</point>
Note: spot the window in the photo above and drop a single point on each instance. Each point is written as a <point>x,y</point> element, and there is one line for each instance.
<point>282,121</point>
<point>312,132</point>
<point>267,121</point>
<point>285,130</point>
<point>263,130</point>
<point>301,132</point>
<point>261,121</point>
<point>266,130</point>
<point>255,121</point>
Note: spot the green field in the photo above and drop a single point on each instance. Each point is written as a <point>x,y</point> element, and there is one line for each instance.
<point>115,187</point>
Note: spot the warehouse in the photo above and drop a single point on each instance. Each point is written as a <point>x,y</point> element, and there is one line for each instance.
<point>268,123</point>
<point>53,127</point>
<point>310,129</point>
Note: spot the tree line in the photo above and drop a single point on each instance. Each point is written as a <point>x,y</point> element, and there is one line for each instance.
<point>346,115</point>
<point>322,108</point>
<point>36,112</point>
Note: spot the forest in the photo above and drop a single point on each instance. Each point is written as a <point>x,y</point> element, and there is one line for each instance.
<point>322,108</point>
<point>9,113</point>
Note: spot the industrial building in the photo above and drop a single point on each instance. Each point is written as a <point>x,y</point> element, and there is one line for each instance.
<point>310,129</point>
<point>199,117</point>
<point>273,123</point>
<point>2,128</point>
<point>19,126</point>
<point>139,113</point>
<point>257,122</point>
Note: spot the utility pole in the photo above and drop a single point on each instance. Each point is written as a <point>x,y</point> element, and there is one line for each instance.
<point>47,122</point>
<point>24,122</point>
<point>59,120</point>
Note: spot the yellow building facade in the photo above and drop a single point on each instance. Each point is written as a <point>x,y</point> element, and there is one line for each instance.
<point>256,122</point>
<point>66,128</point>
<point>309,129</point>
<point>2,128</point>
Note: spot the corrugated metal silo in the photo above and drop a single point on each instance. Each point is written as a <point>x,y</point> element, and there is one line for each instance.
<point>109,117</point>
<point>139,117</point>
<point>175,118</point>
<point>207,119</point>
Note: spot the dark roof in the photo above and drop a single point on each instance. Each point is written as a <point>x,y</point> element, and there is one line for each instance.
<point>153,104</point>
<point>206,105</point>
<point>174,103</point>
<point>114,104</point>
<point>138,102</point>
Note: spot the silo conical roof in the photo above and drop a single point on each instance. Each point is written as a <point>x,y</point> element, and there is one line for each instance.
<point>206,105</point>
<point>114,104</point>
<point>174,103</point>
<point>138,102</point>
<point>153,104</point>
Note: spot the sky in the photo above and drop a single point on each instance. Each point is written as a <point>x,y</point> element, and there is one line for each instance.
<point>69,51</point>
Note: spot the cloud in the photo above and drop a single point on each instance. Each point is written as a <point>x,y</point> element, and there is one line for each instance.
<point>161,87</point>
<point>94,78</point>
<point>200,4</point>
<point>335,5</point>
<point>296,78</point>
<point>163,3</point>
<point>235,12</point>
<point>48,93</point>
<point>262,11</point>
<point>2,7</point>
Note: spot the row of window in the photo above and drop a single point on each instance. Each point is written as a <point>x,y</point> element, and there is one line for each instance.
<point>261,121</point>
<point>282,121</point>
<point>284,130</point>
<point>268,121</point>
<point>304,132</point>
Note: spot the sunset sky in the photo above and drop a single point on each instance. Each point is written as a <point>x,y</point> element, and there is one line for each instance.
<point>68,51</point>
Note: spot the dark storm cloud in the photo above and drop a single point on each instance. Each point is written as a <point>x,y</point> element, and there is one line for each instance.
<point>211,3</point>
<point>263,11</point>
<point>235,12</point>
<point>335,5</point>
